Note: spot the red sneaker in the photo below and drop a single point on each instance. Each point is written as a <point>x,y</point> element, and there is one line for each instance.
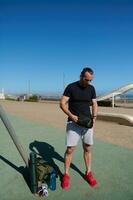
<point>90,179</point>
<point>65,184</point>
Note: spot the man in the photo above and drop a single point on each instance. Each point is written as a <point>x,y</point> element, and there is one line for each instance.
<point>76,101</point>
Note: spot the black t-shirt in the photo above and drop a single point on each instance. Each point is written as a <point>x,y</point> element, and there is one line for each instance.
<point>80,98</point>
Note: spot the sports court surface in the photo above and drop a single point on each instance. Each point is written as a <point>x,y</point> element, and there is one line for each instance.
<point>112,164</point>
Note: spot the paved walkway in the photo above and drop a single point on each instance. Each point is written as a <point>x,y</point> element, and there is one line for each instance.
<point>112,165</point>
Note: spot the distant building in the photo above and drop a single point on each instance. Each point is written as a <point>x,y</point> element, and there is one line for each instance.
<point>11,97</point>
<point>22,97</point>
<point>2,95</point>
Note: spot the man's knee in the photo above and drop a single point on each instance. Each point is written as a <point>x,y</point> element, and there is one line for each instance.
<point>87,148</point>
<point>70,150</point>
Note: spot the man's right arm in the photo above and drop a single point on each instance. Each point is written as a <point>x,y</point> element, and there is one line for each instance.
<point>64,106</point>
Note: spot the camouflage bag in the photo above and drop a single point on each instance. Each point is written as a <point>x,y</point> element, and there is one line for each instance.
<point>43,170</point>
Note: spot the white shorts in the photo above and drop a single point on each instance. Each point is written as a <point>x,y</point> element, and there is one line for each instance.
<point>74,132</point>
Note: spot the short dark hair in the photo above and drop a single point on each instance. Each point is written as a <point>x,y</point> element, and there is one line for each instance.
<point>86,69</point>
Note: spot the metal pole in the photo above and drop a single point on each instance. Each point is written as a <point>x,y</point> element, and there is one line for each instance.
<point>29,88</point>
<point>12,133</point>
<point>63,81</point>
<point>113,100</point>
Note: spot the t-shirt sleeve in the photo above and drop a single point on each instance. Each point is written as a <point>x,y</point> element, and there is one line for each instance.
<point>67,91</point>
<point>93,93</point>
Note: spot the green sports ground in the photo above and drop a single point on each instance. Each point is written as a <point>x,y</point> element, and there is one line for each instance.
<point>112,165</point>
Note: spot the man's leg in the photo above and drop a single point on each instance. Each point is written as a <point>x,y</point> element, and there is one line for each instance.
<point>65,184</point>
<point>87,156</point>
<point>87,142</point>
<point>72,138</point>
<point>68,158</point>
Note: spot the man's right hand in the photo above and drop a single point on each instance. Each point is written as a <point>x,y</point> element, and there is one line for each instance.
<point>74,118</point>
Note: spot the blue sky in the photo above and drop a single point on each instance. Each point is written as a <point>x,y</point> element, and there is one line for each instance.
<point>47,43</point>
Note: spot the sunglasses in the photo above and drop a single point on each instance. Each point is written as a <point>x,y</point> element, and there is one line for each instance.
<point>85,79</point>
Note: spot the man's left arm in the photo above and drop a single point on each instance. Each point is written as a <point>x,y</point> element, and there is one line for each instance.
<point>94,110</point>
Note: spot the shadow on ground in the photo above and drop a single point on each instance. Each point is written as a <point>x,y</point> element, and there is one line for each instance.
<point>24,171</point>
<point>48,153</point>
